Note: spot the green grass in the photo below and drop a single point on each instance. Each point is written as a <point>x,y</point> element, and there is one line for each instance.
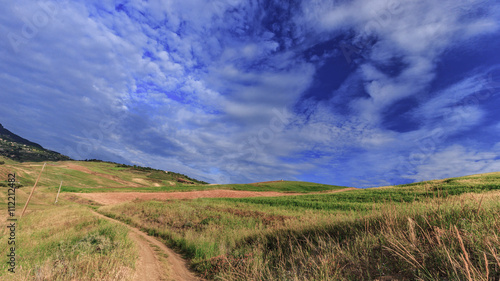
<point>7,161</point>
<point>298,187</point>
<point>54,173</point>
<point>111,177</point>
<point>288,186</point>
<point>68,242</point>
<point>97,175</point>
<point>64,241</point>
<point>417,231</point>
<point>433,230</point>
<point>363,199</point>
<point>283,186</point>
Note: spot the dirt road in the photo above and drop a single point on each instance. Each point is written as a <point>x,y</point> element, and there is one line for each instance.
<point>149,265</point>
<point>110,198</point>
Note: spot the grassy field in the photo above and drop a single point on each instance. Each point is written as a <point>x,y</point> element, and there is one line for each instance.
<point>436,230</point>
<point>87,177</point>
<point>286,186</point>
<point>65,242</point>
<point>81,175</point>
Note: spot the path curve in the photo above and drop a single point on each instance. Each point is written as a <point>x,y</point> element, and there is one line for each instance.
<point>110,198</point>
<point>149,266</point>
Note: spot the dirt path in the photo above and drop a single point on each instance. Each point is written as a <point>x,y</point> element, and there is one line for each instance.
<point>110,198</point>
<point>149,265</point>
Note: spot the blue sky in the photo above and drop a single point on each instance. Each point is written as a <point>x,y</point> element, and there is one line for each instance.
<point>360,93</point>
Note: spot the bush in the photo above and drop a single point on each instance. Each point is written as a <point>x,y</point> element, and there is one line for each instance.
<point>2,162</point>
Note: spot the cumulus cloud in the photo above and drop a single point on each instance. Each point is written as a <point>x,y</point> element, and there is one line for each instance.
<point>236,91</point>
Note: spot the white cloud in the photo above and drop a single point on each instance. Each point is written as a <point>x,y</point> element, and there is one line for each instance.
<point>193,85</point>
<point>416,31</point>
<point>458,160</point>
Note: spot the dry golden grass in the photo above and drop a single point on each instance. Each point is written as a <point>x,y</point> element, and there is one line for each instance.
<point>67,242</point>
<point>453,238</point>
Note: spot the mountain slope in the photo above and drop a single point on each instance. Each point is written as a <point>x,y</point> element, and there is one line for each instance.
<point>92,176</point>
<point>9,136</point>
<point>20,149</point>
<point>91,173</point>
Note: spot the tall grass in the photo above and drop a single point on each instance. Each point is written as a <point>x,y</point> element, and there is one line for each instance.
<point>450,240</point>
<point>416,234</point>
<point>69,243</point>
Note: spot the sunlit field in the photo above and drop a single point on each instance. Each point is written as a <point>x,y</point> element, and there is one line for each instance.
<point>446,229</point>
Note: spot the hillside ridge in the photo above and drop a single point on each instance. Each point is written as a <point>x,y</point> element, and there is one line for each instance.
<point>17,148</point>
<point>8,135</point>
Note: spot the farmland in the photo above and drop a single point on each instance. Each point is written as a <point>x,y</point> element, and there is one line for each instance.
<point>435,230</point>
<point>431,230</point>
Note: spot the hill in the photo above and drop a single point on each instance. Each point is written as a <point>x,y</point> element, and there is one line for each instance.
<point>94,175</point>
<point>99,176</point>
<point>91,173</point>
<point>434,230</point>
<point>20,149</point>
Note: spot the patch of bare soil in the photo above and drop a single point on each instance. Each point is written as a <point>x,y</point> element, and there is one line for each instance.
<point>111,198</point>
<point>80,200</point>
